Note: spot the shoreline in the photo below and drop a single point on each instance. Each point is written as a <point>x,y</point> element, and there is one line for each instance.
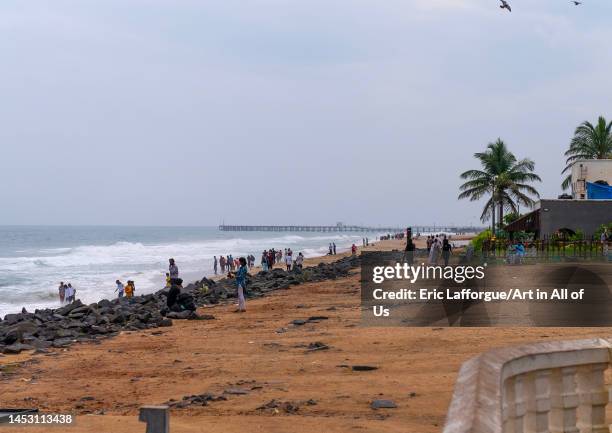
<point>30,278</point>
<point>195,276</point>
<point>260,357</point>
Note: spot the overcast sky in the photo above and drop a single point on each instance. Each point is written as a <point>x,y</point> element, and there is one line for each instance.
<point>284,111</point>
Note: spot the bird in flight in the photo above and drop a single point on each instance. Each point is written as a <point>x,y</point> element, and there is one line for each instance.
<point>576,2</point>
<point>505,5</point>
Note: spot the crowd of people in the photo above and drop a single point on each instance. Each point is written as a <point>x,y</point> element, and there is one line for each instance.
<point>332,249</point>
<point>126,290</point>
<point>66,292</point>
<point>227,265</point>
<point>438,246</point>
<point>390,236</point>
<point>269,258</point>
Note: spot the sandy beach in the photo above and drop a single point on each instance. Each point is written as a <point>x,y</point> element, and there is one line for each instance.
<point>259,357</point>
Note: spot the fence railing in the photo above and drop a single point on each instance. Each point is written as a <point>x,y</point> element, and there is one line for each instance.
<point>547,249</point>
<point>544,387</point>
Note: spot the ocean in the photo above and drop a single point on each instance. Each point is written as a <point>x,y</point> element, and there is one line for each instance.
<point>34,259</point>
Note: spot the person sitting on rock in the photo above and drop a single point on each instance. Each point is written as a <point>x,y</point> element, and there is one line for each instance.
<point>173,293</point>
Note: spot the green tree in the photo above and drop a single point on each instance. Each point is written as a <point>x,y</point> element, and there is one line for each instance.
<point>589,142</point>
<point>503,179</point>
<point>511,217</point>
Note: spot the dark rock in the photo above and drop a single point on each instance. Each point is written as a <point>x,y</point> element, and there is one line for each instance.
<point>203,317</point>
<point>16,348</point>
<point>68,308</point>
<point>363,368</point>
<point>179,315</point>
<point>236,391</point>
<point>299,322</point>
<point>317,345</point>
<point>383,404</point>
<point>81,311</point>
<point>286,406</point>
<point>165,322</point>
<point>62,342</point>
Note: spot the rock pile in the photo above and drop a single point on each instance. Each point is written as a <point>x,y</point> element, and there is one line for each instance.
<point>77,322</point>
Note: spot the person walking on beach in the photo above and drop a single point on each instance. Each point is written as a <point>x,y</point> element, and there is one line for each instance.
<point>264,261</point>
<point>215,264</point>
<point>167,279</point>
<point>331,249</point>
<point>429,242</point>
<point>62,292</point>
<point>409,251</point>
<point>334,247</point>
<point>299,260</point>
<point>288,262</point>
<point>173,270</point>
<point>241,284</point>
<point>222,264</point>
<point>447,250</point>
<point>434,252</point>
<point>120,288</point>
<point>354,249</point>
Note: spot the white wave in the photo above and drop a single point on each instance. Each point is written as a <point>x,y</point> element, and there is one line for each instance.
<point>32,281</point>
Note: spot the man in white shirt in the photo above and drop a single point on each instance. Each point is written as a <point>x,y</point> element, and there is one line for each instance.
<point>119,288</point>
<point>70,293</point>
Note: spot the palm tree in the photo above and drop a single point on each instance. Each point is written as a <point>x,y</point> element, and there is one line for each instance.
<point>589,142</point>
<point>503,178</point>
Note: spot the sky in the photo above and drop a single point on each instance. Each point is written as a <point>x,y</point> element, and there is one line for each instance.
<point>184,112</point>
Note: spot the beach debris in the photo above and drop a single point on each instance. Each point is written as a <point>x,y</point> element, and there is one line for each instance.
<point>317,345</point>
<point>317,318</point>
<point>236,391</point>
<point>363,368</point>
<point>312,319</point>
<point>194,400</point>
<point>383,404</point>
<point>290,407</point>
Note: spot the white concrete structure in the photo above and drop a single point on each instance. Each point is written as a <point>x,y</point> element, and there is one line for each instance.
<point>589,170</point>
<point>546,387</point>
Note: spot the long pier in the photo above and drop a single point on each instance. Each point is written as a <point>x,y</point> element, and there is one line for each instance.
<point>344,228</point>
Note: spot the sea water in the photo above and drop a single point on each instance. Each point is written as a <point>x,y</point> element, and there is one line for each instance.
<point>34,259</point>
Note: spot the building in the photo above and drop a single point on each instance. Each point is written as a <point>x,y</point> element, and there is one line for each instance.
<point>589,206</point>
<point>593,171</point>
